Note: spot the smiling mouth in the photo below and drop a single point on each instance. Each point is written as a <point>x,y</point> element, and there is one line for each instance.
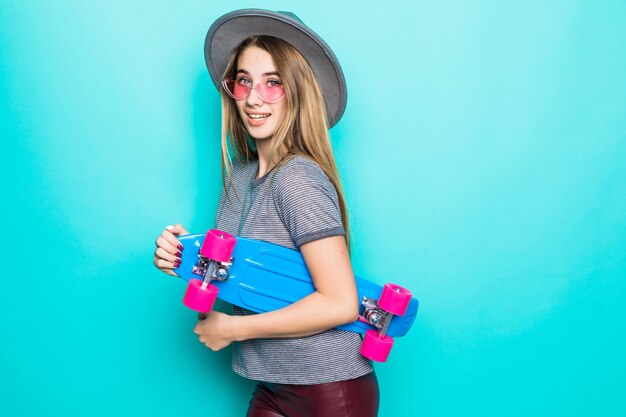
<point>258,116</point>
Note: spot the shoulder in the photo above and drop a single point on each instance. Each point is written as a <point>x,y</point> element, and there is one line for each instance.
<point>299,171</point>
<point>300,182</point>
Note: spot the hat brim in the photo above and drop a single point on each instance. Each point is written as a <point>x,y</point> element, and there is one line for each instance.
<point>227,32</point>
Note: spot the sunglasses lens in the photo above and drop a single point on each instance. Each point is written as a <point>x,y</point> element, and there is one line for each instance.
<point>271,91</point>
<point>235,89</point>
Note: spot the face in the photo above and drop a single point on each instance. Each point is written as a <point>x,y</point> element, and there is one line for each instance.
<point>261,119</point>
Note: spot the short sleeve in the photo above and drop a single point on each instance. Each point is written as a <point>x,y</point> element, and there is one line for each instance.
<point>306,201</point>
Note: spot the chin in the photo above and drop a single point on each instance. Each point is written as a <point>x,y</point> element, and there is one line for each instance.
<point>261,135</point>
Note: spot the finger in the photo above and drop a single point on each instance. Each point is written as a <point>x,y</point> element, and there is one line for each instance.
<point>197,329</point>
<point>176,229</point>
<point>165,266</point>
<point>165,255</point>
<point>171,239</point>
<point>166,245</point>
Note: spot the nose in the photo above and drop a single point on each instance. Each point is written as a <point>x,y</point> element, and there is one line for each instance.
<point>253,99</point>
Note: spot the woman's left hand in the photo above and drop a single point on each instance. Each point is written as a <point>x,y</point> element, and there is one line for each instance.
<point>214,329</point>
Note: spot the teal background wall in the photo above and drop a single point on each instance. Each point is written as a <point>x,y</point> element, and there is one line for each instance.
<point>483,153</point>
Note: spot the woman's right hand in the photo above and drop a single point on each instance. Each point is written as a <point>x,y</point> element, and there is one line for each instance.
<point>169,249</point>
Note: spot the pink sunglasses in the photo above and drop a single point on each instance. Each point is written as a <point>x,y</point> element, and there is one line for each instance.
<point>239,89</point>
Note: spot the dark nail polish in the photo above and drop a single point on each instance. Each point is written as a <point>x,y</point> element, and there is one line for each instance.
<point>179,254</point>
<point>180,247</point>
<point>177,262</point>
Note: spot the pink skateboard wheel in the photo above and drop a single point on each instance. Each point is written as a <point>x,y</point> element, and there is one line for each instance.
<point>394,299</point>
<point>218,245</point>
<point>375,347</point>
<point>199,299</point>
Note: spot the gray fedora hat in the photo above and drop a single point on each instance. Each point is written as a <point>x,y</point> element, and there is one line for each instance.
<point>227,32</point>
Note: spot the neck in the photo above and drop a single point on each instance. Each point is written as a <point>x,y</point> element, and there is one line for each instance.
<point>266,162</point>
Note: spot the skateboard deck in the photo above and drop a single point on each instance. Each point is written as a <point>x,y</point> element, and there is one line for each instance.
<point>265,277</point>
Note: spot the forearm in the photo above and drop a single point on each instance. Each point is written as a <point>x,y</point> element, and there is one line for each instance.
<point>311,315</point>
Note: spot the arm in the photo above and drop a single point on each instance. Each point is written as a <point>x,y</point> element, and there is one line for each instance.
<point>334,302</point>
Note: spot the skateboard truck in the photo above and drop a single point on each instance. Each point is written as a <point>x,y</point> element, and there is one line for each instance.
<point>393,301</point>
<point>211,270</point>
<point>375,315</point>
<point>214,262</point>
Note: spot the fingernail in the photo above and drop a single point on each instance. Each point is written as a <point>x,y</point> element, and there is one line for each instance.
<point>169,227</point>
<point>177,262</point>
<point>180,247</point>
<point>178,254</point>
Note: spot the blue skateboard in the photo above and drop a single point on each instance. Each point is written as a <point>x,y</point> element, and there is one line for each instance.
<point>261,276</point>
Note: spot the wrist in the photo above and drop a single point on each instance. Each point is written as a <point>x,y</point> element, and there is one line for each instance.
<point>237,332</point>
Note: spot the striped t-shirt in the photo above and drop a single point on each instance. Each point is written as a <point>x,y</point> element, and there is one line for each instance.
<point>291,205</point>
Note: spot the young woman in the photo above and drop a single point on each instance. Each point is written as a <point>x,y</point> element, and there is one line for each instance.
<point>282,88</point>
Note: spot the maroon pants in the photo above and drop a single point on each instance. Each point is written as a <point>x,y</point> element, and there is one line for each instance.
<point>353,398</point>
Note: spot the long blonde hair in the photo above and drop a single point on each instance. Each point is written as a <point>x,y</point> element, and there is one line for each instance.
<point>304,128</point>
